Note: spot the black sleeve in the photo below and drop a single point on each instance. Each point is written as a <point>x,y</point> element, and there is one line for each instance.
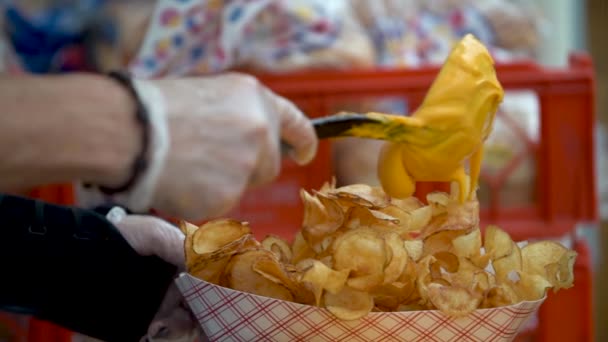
<point>72,267</point>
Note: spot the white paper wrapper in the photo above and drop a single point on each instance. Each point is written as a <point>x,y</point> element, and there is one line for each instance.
<point>228,315</point>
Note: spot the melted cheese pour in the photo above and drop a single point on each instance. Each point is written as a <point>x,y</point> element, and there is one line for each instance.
<point>450,126</point>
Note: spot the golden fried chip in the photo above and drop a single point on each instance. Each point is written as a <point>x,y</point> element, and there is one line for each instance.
<point>441,241</point>
<point>328,187</point>
<point>349,304</point>
<point>210,266</point>
<point>322,278</point>
<point>188,229</point>
<point>551,260</point>
<point>438,201</point>
<point>420,218</point>
<point>414,248</point>
<point>454,301</point>
<point>508,263</point>
<point>389,297</point>
<point>269,267</point>
<point>322,216</point>
<point>217,233</point>
<point>365,283</point>
<point>497,243</point>
<point>300,249</point>
<point>407,204</point>
<point>279,247</point>
<point>362,251</point>
<point>501,295</point>
<point>468,245</point>
<point>530,287</point>
<point>239,275</point>
<point>398,260</point>
<point>361,195</point>
<point>424,276</point>
<point>447,261</point>
<point>362,217</point>
<point>457,217</point>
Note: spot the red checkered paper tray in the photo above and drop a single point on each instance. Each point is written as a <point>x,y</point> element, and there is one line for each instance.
<point>229,315</point>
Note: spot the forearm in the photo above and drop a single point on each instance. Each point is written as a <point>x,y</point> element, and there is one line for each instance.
<point>56,129</point>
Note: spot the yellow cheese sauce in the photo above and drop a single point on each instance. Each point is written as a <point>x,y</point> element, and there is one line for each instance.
<point>449,127</point>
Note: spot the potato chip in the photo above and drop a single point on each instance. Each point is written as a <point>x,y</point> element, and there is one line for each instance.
<point>530,286</point>
<point>239,275</point>
<point>541,257</point>
<point>454,301</point>
<point>300,249</point>
<point>349,304</point>
<point>457,217</point>
<point>269,267</point>
<point>215,234</point>
<point>188,229</point>
<point>328,187</point>
<point>362,217</point>
<point>407,204</point>
<point>389,297</point>
<point>322,278</point>
<point>365,283</point>
<point>402,290</point>
<point>468,245</point>
<point>414,248</point>
<point>501,295</point>
<point>279,247</point>
<point>497,242</point>
<point>210,266</point>
<point>424,276</point>
<point>398,259</point>
<point>508,263</point>
<point>447,261</point>
<point>361,195</point>
<point>362,251</point>
<point>441,241</point>
<point>438,201</point>
<point>322,216</point>
<point>420,218</point>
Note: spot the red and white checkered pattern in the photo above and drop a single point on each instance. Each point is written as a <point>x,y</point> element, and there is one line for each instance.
<point>228,315</point>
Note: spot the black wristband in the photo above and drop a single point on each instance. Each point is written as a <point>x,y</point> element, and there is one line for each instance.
<point>141,115</point>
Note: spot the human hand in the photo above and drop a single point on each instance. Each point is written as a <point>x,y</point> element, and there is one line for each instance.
<point>149,235</point>
<point>211,139</point>
<point>225,134</point>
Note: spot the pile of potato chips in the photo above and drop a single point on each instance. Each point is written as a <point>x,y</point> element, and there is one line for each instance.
<point>360,251</point>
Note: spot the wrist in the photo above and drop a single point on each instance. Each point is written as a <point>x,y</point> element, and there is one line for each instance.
<point>137,190</point>
<point>121,141</point>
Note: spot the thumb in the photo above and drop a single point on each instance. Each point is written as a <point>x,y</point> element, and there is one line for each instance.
<point>296,129</point>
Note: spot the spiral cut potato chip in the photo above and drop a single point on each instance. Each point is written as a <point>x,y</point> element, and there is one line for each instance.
<point>361,251</point>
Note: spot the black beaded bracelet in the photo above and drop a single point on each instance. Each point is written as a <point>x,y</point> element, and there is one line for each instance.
<point>141,115</point>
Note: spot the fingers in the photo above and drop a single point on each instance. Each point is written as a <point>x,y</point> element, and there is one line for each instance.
<point>169,243</point>
<point>149,235</point>
<point>269,160</point>
<point>296,130</point>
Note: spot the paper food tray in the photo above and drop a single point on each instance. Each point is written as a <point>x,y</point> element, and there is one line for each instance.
<point>229,315</point>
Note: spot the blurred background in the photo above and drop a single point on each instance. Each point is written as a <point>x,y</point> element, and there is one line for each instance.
<point>545,170</point>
